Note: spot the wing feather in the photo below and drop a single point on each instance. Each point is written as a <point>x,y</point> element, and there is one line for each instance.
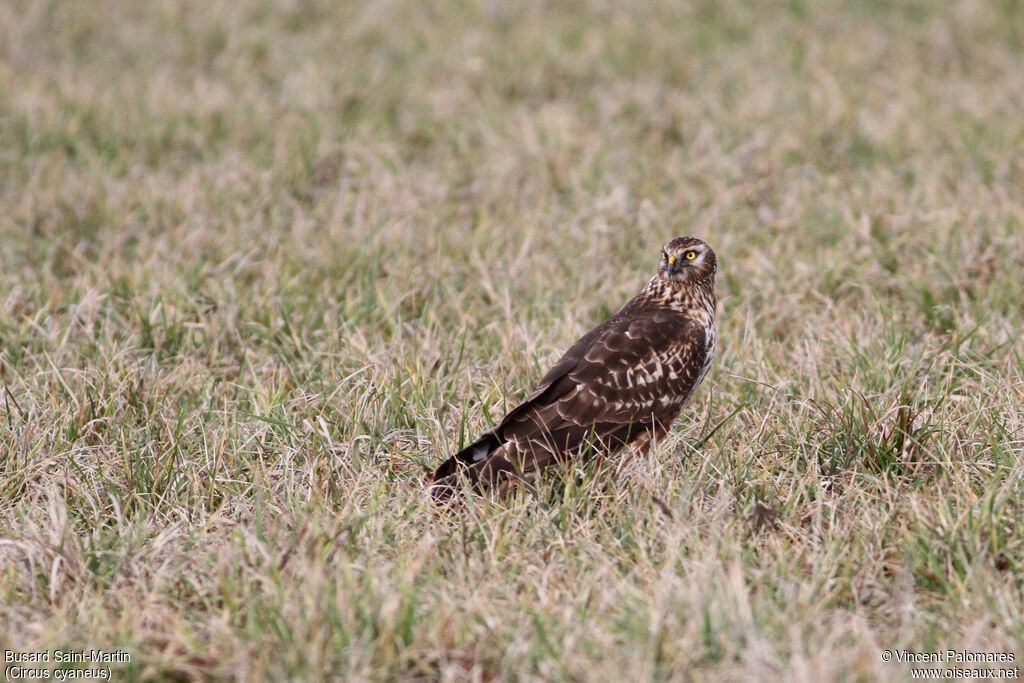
<point>623,378</point>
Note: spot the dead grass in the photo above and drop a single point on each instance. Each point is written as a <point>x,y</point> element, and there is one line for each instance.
<point>263,263</point>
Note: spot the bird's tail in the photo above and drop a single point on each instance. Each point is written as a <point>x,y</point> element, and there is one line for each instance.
<point>469,456</point>
<point>467,461</point>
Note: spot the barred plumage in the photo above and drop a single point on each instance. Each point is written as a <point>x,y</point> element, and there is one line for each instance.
<point>624,382</point>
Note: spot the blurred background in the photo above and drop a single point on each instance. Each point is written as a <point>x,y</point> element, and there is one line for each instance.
<point>296,138</point>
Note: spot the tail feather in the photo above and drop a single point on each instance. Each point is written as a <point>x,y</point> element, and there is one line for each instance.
<point>485,462</point>
<point>470,455</point>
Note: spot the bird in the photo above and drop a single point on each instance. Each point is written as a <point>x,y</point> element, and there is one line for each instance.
<point>622,383</point>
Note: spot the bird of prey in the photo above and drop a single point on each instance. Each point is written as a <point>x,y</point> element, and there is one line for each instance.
<point>624,382</point>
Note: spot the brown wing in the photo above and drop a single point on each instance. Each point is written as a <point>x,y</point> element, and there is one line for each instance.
<point>624,378</point>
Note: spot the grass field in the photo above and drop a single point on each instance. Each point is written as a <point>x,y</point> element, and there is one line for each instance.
<point>264,263</point>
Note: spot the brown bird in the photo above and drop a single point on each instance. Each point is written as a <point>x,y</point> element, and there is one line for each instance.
<point>624,382</point>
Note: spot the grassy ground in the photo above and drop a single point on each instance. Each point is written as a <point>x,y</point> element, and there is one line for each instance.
<point>262,263</point>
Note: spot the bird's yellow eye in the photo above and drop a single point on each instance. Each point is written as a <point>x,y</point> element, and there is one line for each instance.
<point>690,255</point>
<point>664,256</point>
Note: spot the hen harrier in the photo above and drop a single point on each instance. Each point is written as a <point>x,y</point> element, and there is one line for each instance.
<point>624,382</point>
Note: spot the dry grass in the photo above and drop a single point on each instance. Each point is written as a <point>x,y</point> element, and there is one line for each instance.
<point>263,262</point>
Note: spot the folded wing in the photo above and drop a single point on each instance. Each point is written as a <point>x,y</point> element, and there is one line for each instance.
<point>626,378</point>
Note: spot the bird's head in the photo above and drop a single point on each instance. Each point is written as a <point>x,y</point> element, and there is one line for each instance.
<point>687,260</point>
